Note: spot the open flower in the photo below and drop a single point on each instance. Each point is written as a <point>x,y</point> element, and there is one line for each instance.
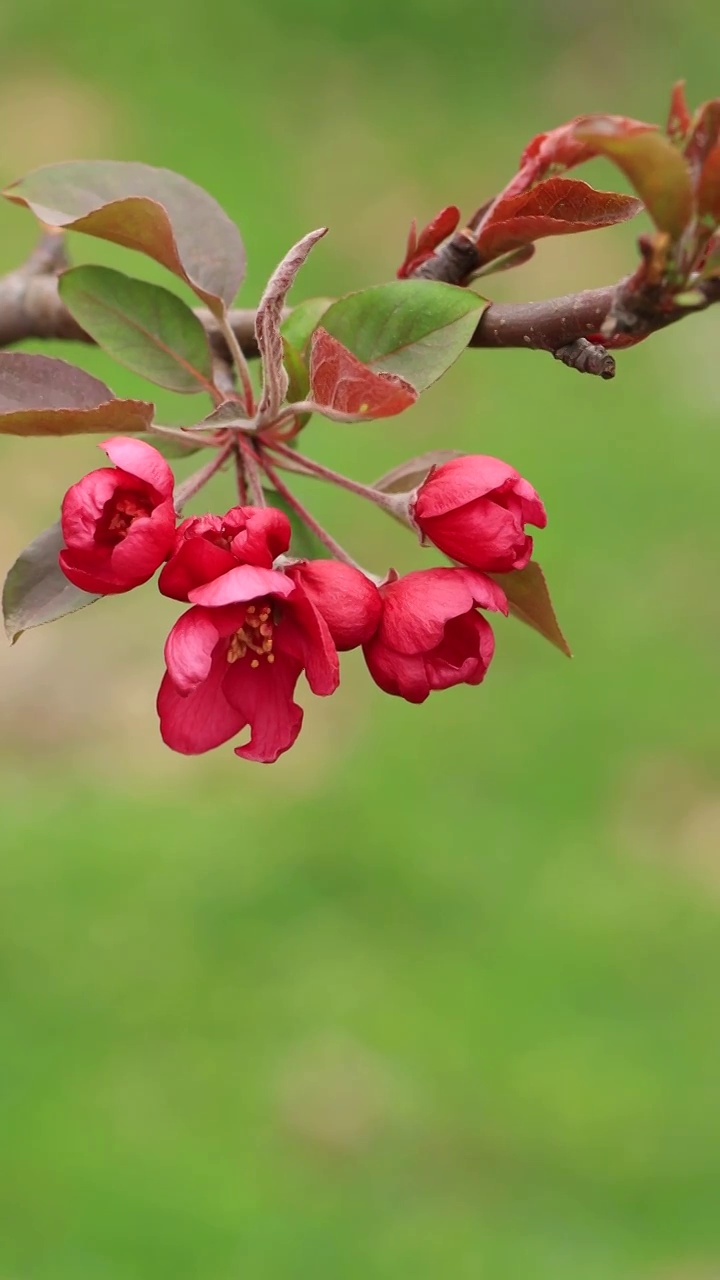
<point>208,546</point>
<point>233,661</point>
<point>118,522</point>
<point>474,509</point>
<point>431,635</point>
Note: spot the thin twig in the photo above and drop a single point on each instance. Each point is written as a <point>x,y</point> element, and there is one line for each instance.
<point>387,501</point>
<point>306,516</point>
<point>252,472</point>
<point>194,483</point>
<point>240,474</point>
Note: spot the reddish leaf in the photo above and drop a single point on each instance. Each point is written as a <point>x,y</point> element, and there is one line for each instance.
<point>708,192</point>
<point>704,136</point>
<point>529,599</point>
<point>710,269</point>
<point>41,396</point>
<point>339,381</point>
<point>421,247</point>
<point>557,207</point>
<point>655,167</point>
<point>408,475</point>
<point>152,210</point>
<point>560,149</point>
<point>36,590</point>
<point>679,117</point>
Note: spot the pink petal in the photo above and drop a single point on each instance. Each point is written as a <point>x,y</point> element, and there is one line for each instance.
<point>400,674</point>
<point>196,561</point>
<point>464,653</point>
<point>145,546</point>
<point>263,695</point>
<point>417,607</point>
<point>201,720</point>
<point>246,582</point>
<point>83,505</point>
<point>141,460</point>
<point>482,534</point>
<point>486,593</point>
<point>91,574</point>
<point>348,601</point>
<point>304,634</point>
<point>461,480</point>
<point>533,510</point>
<point>189,648</point>
<point>266,535</point>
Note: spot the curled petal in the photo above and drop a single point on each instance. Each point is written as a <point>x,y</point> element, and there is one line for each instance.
<point>246,582</point>
<point>141,460</point>
<point>266,535</point>
<point>83,506</point>
<point>417,607</point>
<point>461,480</point>
<point>189,649</point>
<point>307,637</point>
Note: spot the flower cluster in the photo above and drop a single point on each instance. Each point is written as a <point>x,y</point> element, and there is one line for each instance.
<point>259,617</point>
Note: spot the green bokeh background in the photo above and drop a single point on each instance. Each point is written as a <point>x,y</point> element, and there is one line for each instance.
<point>436,996</point>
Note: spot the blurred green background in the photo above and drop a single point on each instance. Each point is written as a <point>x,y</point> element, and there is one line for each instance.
<point>437,995</point>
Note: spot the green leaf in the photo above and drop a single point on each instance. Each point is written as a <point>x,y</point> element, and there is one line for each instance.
<point>408,475</point>
<point>413,328</point>
<point>298,378</point>
<point>303,543</point>
<point>529,599</point>
<point>36,590</point>
<point>42,396</point>
<point>298,326</point>
<point>152,210</point>
<point>142,326</point>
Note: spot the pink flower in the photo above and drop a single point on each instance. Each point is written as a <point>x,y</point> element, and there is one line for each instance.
<point>234,660</point>
<point>431,635</point>
<point>119,523</point>
<point>474,509</point>
<point>208,546</point>
<point>348,601</point>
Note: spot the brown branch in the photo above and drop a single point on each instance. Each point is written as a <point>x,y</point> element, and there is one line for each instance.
<point>557,322</point>
<point>31,307</point>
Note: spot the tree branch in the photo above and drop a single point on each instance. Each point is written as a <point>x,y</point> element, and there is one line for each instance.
<point>31,307</point>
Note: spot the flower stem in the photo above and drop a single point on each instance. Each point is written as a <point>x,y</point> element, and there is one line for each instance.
<point>183,437</point>
<point>320,533</point>
<point>240,475</point>
<point>391,502</point>
<point>240,363</point>
<point>194,483</point>
<point>252,473</point>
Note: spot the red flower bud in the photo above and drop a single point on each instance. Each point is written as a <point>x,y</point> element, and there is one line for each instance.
<point>474,509</point>
<point>348,601</point>
<point>119,523</point>
<point>431,635</point>
<point>208,546</point>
